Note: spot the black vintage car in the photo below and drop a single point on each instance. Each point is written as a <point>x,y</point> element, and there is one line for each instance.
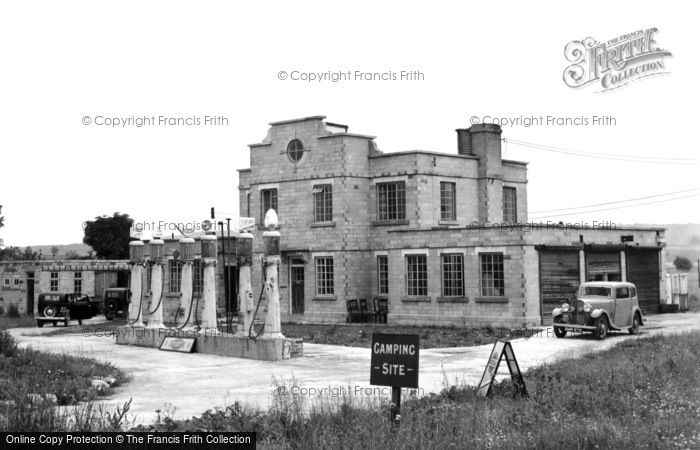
<point>57,307</point>
<point>116,302</point>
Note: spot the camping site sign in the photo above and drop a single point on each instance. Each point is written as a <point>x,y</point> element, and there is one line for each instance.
<point>395,360</point>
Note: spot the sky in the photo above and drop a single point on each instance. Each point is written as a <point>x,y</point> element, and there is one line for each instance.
<point>69,68</point>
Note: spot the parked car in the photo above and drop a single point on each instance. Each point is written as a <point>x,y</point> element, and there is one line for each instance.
<point>600,307</point>
<point>116,302</point>
<point>63,307</point>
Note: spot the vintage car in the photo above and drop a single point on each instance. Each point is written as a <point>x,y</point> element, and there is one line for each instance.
<point>116,302</point>
<point>600,307</point>
<point>57,307</point>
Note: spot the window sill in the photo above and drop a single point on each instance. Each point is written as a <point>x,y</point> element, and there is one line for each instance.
<point>447,222</point>
<point>173,294</point>
<point>388,223</point>
<point>324,298</point>
<point>453,299</point>
<point>491,299</point>
<point>322,224</point>
<point>416,299</point>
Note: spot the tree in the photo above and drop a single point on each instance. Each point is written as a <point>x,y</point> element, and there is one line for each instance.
<point>2,219</point>
<point>682,263</point>
<point>109,236</point>
<point>29,254</point>
<point>54,251</point>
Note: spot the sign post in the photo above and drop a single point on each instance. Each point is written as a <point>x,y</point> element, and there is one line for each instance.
<point>395,363</point>
<point>500,349</point>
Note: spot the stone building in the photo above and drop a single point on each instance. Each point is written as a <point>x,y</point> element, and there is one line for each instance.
<point>444,237</point>
<point>21,282</point>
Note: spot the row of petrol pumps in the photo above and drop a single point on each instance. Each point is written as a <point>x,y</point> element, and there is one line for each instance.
<point>199,332</point>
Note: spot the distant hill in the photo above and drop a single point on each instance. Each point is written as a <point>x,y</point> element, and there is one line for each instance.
<point>681,239</point>
<point>80,249</point>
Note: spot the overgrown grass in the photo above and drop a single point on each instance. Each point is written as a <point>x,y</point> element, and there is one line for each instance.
<point>21,321</point>
<point>51,392</point>
<point>643,393</point>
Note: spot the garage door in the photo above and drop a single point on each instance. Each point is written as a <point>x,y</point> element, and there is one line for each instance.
<point>643,272</point>
<point>559,280</point>
<point>603,266</point>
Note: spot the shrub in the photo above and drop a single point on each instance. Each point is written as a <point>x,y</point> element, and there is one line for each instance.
<point>8,345</point>
<point>13,311</point>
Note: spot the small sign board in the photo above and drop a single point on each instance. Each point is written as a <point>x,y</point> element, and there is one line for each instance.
<point>395,360</point>
<point>501,349</point>
<point>177,344</point>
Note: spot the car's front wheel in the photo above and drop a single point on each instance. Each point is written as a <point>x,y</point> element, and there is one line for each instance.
<point>560,332</point>
<point>601,328</point>
<point>39,323</point>
<point>634,329</point>
<point>110,309</point>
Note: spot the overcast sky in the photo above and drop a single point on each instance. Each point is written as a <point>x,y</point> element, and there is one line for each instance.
<point>62,61</point>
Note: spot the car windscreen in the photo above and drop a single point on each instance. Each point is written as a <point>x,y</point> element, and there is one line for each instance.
<point>596,291</point>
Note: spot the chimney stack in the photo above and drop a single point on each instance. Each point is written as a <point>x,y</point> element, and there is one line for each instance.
<point>484,141</point>
<point>464,141</point>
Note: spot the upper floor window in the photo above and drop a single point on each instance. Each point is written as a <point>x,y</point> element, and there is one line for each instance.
<point>391,201</point>
<point>323,203</point>
<point>295,150</point>
<point>492,275</point>
<point>448,203</point>
<point>268,200</point>
<point>510,205</point>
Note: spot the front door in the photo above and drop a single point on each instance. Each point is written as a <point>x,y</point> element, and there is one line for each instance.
<point>30,293</point>
<point>622,307</point>
<point>297,276</point>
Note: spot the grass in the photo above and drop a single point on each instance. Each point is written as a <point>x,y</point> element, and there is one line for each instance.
<point>356,335</point>
<point>642,393</point>
<point>47,392</point>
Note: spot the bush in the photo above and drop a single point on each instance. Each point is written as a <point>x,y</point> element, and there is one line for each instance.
<point>682,263</point>
<point>13,311</point>
<point>8,345</point>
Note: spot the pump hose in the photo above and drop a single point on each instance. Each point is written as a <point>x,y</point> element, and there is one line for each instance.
<point>189,313</point>
<point>138,316</point>
<point>162,287</point>
<point>252,322</point>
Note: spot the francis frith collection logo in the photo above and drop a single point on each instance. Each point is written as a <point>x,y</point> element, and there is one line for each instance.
<point>614,63</point>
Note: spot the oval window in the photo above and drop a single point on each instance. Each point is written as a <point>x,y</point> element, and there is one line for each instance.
<point>295,150</point>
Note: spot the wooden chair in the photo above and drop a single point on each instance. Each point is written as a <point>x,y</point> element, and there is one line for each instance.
<point>354,314</point>
<point>381,309</point>
<point>367,315</point>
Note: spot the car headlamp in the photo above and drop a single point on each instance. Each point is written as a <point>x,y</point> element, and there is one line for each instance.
<point>565,307</point>
<point>586,307</point>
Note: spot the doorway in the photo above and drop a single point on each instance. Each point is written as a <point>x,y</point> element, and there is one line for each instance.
<point>297,281</point>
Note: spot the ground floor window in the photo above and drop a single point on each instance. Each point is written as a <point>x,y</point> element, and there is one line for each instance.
<point>175,272</point>
<point>382,274</point>
<point>324,275</point>
<point>492,277</point>
<point>417,275</point>
<point>53,286</point>
<point>453,275</point>
<point>78,283</point>
<point>198,273</point>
